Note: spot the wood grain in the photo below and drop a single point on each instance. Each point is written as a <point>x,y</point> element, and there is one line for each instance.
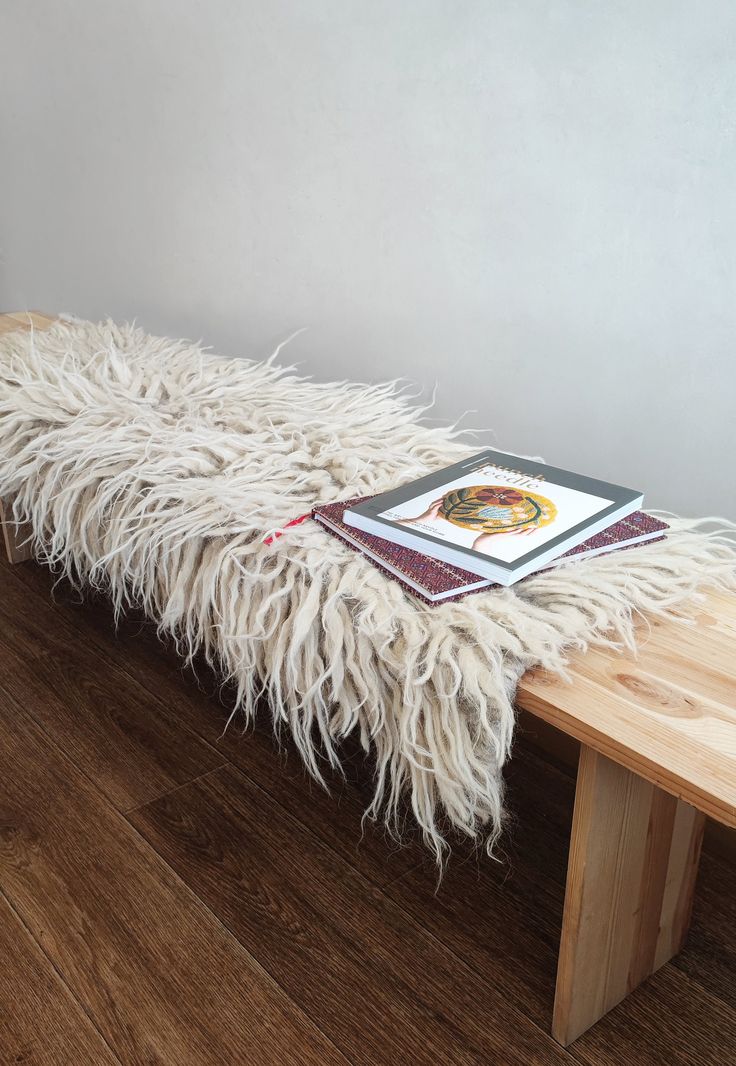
<point>562,750</point>
<point>154,970</point>
<point>631,875</point>
<point>120,735</point>
<point>504,918</point>
<point>709,958</point>
<point>382,991</point>
<point>198,703</point>
<point>668,1021</point>
<point>40,1022</point>
<point>24,320</point>
<point>668,713</point>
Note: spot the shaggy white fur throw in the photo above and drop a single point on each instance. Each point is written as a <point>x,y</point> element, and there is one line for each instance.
<point>153,469</point>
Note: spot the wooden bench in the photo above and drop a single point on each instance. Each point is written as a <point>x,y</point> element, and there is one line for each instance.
<point>658,753</point>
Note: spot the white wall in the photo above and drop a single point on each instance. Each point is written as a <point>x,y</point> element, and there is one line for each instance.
<point>530,202</point>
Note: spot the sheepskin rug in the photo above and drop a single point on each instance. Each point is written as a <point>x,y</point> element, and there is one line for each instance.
<point>154,469</point>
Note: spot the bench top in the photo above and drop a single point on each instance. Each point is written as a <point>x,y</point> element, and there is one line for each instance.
<point>24,320</point>
<point>667,713</point>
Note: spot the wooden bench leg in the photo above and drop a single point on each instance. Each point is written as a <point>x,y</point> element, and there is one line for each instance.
<point>15,537</point>
<point>631,875</point>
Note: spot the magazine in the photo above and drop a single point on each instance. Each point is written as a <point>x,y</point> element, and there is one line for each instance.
<point>495,515</point>
<point>436,582</point>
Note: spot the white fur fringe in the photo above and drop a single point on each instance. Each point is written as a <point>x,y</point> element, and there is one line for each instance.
<point>154,469</point>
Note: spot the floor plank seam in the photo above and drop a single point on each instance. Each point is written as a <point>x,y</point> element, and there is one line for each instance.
<point>154,853</point>
<point>99,650</point>
<point>407,873</point>
<point>163,703</point>
<point>170,791</point>
<point>82,1005</point>
<point>298,1007</point>
<point>80,768</point>
<point>55,744</point>
<point>463,963</point>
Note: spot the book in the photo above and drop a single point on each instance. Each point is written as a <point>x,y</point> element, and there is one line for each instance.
<point>435,581</point>
<point>495,515</point>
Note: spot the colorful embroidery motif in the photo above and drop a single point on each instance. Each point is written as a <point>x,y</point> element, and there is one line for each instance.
<point>497,509</point>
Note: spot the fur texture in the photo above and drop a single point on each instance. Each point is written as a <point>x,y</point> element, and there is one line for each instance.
<point>153,469</point>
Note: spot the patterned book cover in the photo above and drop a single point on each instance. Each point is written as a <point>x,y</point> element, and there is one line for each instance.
<point>437,577</point>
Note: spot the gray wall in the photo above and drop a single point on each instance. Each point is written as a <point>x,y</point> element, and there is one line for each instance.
<point>530,203</point>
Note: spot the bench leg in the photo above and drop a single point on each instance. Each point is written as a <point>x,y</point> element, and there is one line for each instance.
<point>15,537</point>
<point>631,875</point>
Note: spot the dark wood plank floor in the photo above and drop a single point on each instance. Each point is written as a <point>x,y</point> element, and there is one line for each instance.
<point>173,896</point>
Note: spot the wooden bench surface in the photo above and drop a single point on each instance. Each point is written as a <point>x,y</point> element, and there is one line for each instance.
<point>24,320</point>
<point>667,713</point>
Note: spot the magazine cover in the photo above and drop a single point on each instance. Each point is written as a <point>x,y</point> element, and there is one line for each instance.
<point>507,509</point>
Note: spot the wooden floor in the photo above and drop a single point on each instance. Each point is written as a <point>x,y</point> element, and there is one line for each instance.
<point>170,897</point>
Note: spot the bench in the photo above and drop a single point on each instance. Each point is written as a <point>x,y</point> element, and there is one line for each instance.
<point>658,753</point>
<point>657,734</point>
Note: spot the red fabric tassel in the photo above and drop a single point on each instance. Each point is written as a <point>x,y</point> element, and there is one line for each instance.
<point>294,522</point>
